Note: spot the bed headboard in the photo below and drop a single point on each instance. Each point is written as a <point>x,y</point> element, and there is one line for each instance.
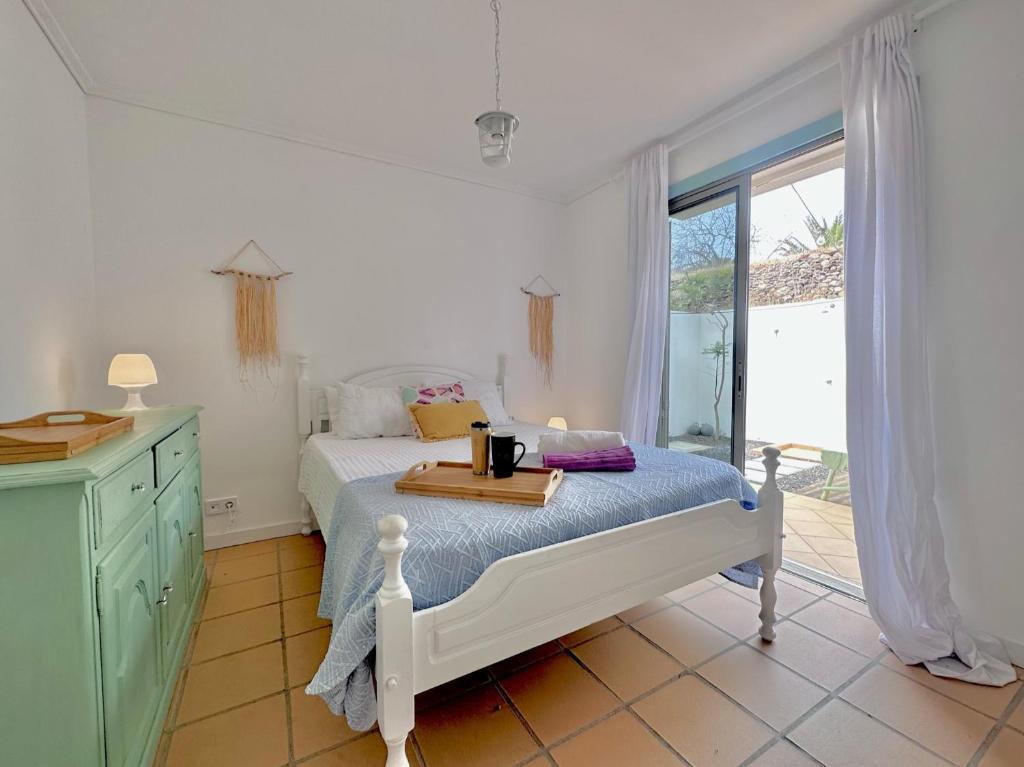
<point>312,401</point>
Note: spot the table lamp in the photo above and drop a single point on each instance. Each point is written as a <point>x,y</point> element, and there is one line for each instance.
<point>557,422</point>
<point>132,372</point>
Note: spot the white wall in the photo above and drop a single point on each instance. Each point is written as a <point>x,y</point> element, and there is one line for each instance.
<point>817,97</point>
<point>971,64</point>
<point>47,310</point>
<point>392,266</point>
<point>597,301</point>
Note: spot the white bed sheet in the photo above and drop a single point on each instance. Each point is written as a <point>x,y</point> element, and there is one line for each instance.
<point>328,461</point>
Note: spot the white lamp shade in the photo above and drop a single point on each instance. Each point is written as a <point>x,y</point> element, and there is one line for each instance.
<point>131,370</point>
<point>557,422</point>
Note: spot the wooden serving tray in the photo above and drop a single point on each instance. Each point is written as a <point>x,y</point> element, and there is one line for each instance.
<point>528,486</point>
<point>58,435</point>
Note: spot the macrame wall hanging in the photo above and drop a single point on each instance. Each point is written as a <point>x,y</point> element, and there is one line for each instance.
<point>255,315</point>
<point>541,314</point>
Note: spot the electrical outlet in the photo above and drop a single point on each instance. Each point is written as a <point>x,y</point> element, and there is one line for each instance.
<point>216,506</point>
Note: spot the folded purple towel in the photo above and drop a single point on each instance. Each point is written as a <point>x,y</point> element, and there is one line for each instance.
<point>610,459</point>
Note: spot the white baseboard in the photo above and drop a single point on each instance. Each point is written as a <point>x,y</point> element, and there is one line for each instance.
<point>1016,652</point>
<point>235,537</point>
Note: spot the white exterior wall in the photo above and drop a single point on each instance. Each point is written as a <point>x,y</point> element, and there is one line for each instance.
<point>692,374</point>
<point>796,374</point>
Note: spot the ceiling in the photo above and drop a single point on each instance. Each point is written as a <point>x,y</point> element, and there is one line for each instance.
<point>402,80</point>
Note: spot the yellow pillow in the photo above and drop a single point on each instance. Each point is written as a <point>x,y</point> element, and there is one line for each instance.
<point>445,420</point>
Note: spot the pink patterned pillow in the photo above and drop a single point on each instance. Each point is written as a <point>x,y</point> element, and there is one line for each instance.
<point>428,395</point>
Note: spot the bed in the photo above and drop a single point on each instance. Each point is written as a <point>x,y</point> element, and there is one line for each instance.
<point>520,596</point>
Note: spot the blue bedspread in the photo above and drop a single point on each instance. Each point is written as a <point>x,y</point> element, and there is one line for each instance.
<point>451,543</point>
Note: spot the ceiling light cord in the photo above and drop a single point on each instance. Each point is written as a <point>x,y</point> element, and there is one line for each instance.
<point>496,7</point>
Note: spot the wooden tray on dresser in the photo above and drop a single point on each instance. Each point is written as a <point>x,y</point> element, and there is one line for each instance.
<point>57,435</point>
<point>528,486</point>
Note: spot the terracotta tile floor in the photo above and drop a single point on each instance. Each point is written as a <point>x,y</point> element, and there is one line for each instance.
<point>819,534</point>
<point>680,680</point>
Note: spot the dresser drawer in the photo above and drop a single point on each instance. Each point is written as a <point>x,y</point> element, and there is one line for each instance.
<point>127,490</point>
<point>174,451</point>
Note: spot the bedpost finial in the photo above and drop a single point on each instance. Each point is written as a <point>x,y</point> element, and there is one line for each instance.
<point>392,527</point>
<point>392,545</point>
<point>771,461</point>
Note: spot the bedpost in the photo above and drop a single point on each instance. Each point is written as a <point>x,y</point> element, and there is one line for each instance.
<point>395,713</point>
<point>305,428</point>
<point>302,397</point>
<point>307,517</point>
<point>503,381</point>
<point>769,500</point>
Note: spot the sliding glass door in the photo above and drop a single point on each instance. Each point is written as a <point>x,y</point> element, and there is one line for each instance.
<point>756,348</point>
<point>702,396</point>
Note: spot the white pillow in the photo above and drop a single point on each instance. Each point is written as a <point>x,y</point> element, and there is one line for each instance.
<point>486,393</point>
<point>359,412</point>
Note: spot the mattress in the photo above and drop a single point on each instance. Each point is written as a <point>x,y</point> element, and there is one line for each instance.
<point>328,461</point>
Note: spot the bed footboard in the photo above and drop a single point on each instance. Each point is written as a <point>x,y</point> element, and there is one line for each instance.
<point>525,600</point>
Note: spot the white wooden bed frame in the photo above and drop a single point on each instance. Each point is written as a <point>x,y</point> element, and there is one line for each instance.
<point>527,599</point>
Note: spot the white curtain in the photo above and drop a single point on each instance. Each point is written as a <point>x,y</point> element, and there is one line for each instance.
<point>647,246</point>
<point>889,415</point>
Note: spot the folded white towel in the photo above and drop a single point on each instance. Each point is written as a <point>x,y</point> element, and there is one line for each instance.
<point>578,441</point>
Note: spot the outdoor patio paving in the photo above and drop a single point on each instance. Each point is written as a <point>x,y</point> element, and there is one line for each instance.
<point>819,534</point>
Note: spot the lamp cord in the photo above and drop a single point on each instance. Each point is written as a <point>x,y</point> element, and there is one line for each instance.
<point>496,7</point>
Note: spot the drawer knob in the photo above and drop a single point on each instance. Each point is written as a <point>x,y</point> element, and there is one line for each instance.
<point>192,534</point>
<point>168,588</point>
<point>161,601</point>
<point>195,435</point>
<point>138,487</point>
<point>178,453</point>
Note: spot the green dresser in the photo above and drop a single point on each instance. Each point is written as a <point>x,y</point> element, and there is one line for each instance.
<point>101,570</point>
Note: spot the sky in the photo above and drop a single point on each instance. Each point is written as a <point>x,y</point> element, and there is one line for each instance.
<point>779,213</point>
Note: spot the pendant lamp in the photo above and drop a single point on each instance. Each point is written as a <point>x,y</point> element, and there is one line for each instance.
<point>498,127</point>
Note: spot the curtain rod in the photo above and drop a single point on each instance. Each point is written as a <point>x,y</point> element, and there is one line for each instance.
<point>934,7</point>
